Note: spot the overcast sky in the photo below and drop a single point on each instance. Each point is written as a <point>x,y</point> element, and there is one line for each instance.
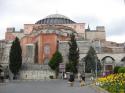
<point>108,13</point>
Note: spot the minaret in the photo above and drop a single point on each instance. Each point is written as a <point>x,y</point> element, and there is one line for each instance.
<point>88,28</point>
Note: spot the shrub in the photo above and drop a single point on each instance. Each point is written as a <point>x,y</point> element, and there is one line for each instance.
<point>121,70</point>
<point>116,69</point>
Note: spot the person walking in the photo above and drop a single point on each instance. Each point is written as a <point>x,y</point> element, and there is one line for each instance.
<point>65,76</point>
<point>79,77</point>
<point>82,80</point>
<point>71,79</point>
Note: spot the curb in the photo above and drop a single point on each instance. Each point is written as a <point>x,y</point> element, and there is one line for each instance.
<point>99,89</point>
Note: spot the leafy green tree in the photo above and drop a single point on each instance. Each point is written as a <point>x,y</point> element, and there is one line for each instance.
<point>73,55</point>
<point>55,61</point>
<point>15,57</point>
<point>90,61</point>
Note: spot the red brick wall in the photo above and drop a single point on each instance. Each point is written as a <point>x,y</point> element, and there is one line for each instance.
<point>44,39</point>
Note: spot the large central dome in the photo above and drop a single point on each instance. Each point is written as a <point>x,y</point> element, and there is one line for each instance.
<point>55,19</point>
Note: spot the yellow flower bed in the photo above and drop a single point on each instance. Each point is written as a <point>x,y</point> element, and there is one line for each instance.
<point>112,81</point>
<point>112,77</point>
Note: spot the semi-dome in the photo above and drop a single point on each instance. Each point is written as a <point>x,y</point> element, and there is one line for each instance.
<point>55,19</point>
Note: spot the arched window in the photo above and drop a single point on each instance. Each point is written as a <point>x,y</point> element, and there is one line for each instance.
<point>46,49</point>
<point>29,51</point>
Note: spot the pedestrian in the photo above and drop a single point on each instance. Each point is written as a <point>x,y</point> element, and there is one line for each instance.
<point>65,76</point>
<point>82,80</point>
<point>62,75</point>
<point>71,79</point>
<point>91,78</point>
<point>79,77</point>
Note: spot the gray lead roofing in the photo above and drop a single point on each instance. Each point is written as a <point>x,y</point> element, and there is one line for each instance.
<point>55,19</point>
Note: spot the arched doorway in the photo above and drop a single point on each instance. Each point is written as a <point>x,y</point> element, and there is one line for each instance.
<point>108,64</point>
<point>36,53</point>
<point>46,61</point>
<point>45,65</point>
<point>123,61</point>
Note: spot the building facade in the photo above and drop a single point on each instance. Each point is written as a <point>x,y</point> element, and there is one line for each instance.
<point>39,42</point>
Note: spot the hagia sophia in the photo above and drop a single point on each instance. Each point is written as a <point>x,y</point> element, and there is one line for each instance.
<point>39,42</point>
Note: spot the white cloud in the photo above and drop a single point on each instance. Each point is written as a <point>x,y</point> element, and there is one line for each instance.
<point>117,38</point>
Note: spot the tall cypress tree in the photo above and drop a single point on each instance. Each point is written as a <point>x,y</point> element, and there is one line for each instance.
<point>90,61</point>
<point>73,55</point>
<point>15,57</point>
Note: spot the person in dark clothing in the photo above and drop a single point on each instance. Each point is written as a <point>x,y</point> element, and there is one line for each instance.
<point>71,79</point>
<point>83,77</point>
<point>82,81</point>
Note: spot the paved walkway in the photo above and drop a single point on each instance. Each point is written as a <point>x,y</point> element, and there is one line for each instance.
<point>48,86</point>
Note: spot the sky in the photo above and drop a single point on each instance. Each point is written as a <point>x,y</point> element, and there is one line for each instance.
<point>108,13</point>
